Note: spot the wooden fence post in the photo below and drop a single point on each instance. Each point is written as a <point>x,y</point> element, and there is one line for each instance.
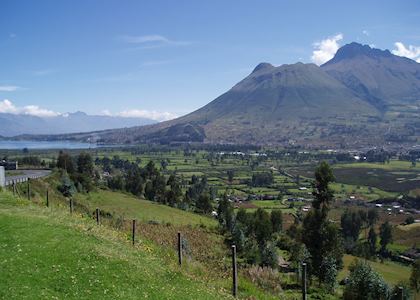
<point>71,205</point>
<point>304,281</point>
<point>48,200</point>
<point>97,216</point>
<point>14,187</point>
<point>234,273</point>
<point>29,190</point>
<point>133,234</point>
<point>179,249</point>
<point>401,293</point>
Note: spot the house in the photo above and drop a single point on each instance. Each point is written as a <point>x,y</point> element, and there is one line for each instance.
<point>2,177</point>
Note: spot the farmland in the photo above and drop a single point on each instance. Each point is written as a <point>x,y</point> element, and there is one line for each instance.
<point>251,180</point>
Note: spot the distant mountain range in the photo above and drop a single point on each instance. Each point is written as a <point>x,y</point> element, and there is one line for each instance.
<point>361,97</point>
<point>18,124</point>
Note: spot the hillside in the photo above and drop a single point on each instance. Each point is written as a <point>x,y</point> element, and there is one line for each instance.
<point>47,254</point>
<point>361,97</point>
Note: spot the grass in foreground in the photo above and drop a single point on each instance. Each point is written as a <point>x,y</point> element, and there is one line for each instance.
<point>46,254</point>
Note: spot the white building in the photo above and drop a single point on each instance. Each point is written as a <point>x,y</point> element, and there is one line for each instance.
<point>2,176</point>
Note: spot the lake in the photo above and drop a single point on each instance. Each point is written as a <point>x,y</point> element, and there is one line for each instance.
<point>13,145</point>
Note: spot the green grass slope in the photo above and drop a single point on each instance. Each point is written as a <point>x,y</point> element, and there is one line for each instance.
<point>143,210</point>
<point>48,254</point>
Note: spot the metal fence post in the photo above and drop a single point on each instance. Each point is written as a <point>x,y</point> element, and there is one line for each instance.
<point>304,297</point>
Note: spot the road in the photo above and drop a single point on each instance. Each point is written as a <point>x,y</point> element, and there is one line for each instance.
<point>25,175</point>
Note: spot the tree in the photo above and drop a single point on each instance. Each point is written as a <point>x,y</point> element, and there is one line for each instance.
<point>269,255</point>
<point>151,169</point>
<point>322,192</point>
<point>173,196</point>
<point>230,174</point>
<point>204,204</point>
<point>242,217</point>
<point>385,233</point>
<point>321,237</point>
<point>415,276</point>
<point>85,164</point>
<point>133,180</point>
<point>66,187</point>
<point>351,224</point>
<point>262,226</point>
<point>65,162</point>
<point>276,220</point>
<point>225,214</point>
<point>149,191</point>
<point>238,237</point>
<point>159,187</point>
<point>365,283</point>
<point>372,240</point>
<point>329,272</point>
<point>116,182</point>
<point>372,216</point>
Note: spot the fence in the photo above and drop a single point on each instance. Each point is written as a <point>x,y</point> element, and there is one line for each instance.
<point>104,218</point>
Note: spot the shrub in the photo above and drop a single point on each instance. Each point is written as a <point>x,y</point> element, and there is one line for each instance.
<point>365,283</point>
<point>266,278</point>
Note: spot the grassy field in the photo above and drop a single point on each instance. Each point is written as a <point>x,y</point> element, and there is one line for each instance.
<point>131,207</point>
<point>47,254</point>
<point>392,272</point>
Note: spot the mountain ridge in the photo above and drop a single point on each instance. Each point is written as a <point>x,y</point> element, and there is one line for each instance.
<point>361,97</point>
<point>18,124</point>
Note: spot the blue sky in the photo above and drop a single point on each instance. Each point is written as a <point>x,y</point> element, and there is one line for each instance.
<point>166,58</point>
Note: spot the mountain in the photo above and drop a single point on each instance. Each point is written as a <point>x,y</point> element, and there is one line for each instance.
<point>377,76</point>
<point>17,124</point>
<point>361,97</point>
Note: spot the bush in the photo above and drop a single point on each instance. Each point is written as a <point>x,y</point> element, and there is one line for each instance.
<point>66,187</point>
<point>365,283</point>
<point>409,220</point>
<point>269,256</point>
<point>266,278</point>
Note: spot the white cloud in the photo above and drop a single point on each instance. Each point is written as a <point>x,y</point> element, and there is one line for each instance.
<point>365,32</point>
<point>43,72</point>
<point>105,112</point>
<point>6,106</point>
<point>12,35</point>
<point>150,114</point>
<point>411,51</point>
<point>152,63</point>
<point>142,113</point>
<point>151,41</point>
<point>325,49</point>
<point>133,39</point>
<point>8,88</point>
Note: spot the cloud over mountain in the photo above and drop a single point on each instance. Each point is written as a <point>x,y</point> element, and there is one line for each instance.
<point>412,52</point>
<point>6,106</point>
<point>325,49</point>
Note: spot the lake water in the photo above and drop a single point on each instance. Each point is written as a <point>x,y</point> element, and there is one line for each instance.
<point>13,145</point>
